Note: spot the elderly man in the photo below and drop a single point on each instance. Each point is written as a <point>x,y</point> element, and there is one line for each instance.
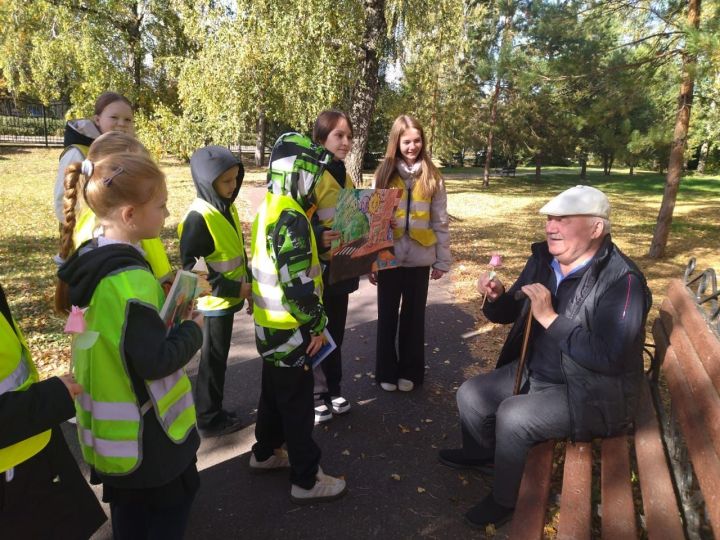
<point>584,362</point>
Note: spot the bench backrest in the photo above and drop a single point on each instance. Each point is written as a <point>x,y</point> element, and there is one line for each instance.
<point>690,351</point>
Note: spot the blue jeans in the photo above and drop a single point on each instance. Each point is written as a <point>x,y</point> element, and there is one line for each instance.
<point>497,424</point>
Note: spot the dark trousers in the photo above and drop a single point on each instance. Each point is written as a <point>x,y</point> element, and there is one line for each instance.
<point>495,422</point>
<point>405,290</point>
<point>209,387</point>
<point>286,414</point>
<point>150,522</point>
<point>336,307</point>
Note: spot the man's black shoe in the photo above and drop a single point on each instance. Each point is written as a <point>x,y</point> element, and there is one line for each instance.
<point>455,458</point>
<point>488,511</point>
<point>226,424</point>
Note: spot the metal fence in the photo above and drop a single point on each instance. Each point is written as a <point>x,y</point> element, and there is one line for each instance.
<point>31,123</point>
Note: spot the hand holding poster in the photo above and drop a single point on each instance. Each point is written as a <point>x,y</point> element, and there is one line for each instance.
<point>362,216</point>
<point>179,299</point>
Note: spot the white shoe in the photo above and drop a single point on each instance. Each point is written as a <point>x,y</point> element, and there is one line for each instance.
<point>339,405</point>
<point>388,387</point>
<point>279,460</point>
<point>322,413</point>
<point>327,488</point>
<point>405,385</point>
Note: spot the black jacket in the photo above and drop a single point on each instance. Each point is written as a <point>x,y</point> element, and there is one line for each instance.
<point>150,353</point>
<point>604,373</point>
<point>50,479</point>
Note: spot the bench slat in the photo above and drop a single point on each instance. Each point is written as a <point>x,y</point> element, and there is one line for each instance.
<point>701,336</point>
<point>529,518</point>
<point>575,498</point>
<point>618,512</point>
<point>704,393</point>
<point>662,515</point>
<point>694,428</point>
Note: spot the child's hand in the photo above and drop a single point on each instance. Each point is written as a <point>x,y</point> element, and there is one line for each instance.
<point>167,285</point>
<point>372,278</point>
<point>436,274</point>
<point>203,287</point>
<point>198,318</point>
<point>328,237</point>
<point>316,343</point>
<point>249,308</point>
<point>71,384</point>
<point>246,291</point>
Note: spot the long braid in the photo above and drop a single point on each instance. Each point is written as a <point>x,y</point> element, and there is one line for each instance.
<point>72,183</point>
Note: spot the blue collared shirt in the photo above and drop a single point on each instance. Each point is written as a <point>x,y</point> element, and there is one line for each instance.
<point>559,275</point>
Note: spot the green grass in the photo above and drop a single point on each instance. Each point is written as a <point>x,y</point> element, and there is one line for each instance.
<point>501,217</point>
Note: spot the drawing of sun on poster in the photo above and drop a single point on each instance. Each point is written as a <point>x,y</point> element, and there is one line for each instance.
<point>362,216</point>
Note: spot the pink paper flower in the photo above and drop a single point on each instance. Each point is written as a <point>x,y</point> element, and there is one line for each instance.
<point>76,321</point>
<point>496,260</point>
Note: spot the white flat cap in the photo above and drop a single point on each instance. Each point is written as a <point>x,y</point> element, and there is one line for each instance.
<point>579,201</point>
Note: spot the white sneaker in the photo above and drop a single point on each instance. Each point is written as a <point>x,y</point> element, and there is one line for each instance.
<point>322,413</point>
<point>327,488</point>
<point>388,387</point>
<point>339,405</point>
<point>405,385</point>
<point>279,460</point>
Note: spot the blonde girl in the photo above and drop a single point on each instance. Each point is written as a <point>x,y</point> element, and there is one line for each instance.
<point>81,218</point>
<point>422,251</point>
<point>135,416</point>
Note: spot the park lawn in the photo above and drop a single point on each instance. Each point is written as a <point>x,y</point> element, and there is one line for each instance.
<point>502,217</point>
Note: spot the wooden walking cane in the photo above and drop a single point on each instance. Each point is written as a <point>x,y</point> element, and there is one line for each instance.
<point>523,351</point>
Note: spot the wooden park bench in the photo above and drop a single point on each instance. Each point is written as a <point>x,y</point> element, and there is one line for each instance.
<point>508,170</point>
<point>625,486</point>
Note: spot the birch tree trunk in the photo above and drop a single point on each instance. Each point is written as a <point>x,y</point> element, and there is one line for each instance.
<point>364,95</point>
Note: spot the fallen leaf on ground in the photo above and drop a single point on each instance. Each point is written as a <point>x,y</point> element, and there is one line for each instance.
<point>421,489</point>
<point>395,476</point>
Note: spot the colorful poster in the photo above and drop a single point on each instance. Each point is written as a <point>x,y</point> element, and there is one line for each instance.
<point>363,218</point>
<point>179,299</point>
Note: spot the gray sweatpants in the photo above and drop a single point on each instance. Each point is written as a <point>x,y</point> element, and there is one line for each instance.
<point>494,422</point>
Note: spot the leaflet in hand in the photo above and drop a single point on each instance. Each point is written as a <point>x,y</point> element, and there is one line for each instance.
<point>328,347</point>
<point>179,299</point>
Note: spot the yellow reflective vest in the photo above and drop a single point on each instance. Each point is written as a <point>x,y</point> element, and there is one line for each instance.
<point>109,416</point>
<point>155,254</point>
<point>17,373</point>
<point>326,195</point>
<point>270,305</point>
<point>229,257</point>
<point>413,214</point>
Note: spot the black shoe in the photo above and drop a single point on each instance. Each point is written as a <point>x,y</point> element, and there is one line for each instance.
<point>488,511</point>
<point>455,458</point>
<point>224,425</point>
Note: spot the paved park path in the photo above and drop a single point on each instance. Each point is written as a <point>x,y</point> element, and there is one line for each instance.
<point>386,447</point>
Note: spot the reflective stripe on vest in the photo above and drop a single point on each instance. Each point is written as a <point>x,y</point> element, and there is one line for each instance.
<point>108,413</point>
<point>155,255</point>
<point>17,373</point>
<point>271,308</point>
<point>228,258</point>
<point>418,221</point>
<point>326,195</point>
